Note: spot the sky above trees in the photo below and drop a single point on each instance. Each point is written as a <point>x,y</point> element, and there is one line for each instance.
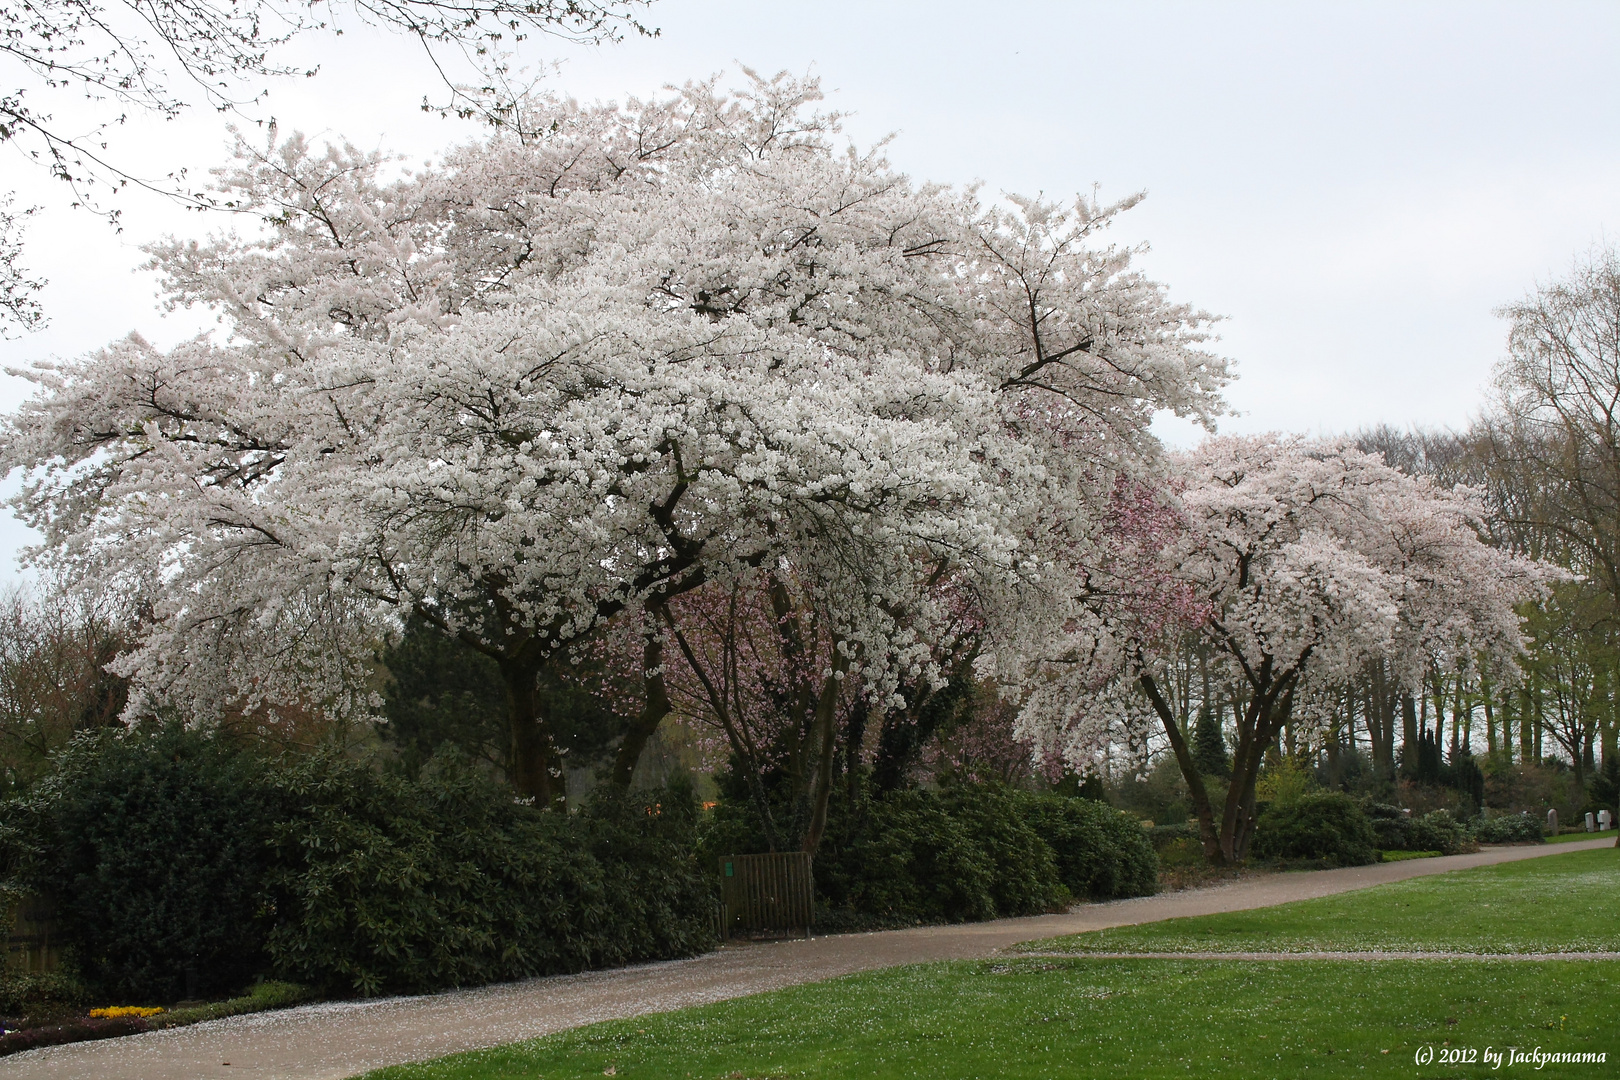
<point>1354,190</point>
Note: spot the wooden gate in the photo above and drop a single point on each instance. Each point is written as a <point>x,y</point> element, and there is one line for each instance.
<point>767,894</point>
<point>31,941</point>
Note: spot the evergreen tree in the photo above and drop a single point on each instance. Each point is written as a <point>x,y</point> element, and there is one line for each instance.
<point>1605,789</point>
<point>442,692</point>
<point>1209,746</point>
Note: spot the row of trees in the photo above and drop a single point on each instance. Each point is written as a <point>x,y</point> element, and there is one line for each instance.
<point>682,408</point>
<point>1541,468</point>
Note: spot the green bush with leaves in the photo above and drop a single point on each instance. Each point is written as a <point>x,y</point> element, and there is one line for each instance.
<point>182,865</point>
<point>1508,829</point>
<point>28,993</point>
<point>901,859</point>
<point>1101,853</point>
<point>966,852</point>
<point>1391,825</point>
<point>154,845</point>
<point>1024,875</point>
<point>383,885</point>
<point>1604,792</point>
<point>1439,831</point>
<point>1326,828</point>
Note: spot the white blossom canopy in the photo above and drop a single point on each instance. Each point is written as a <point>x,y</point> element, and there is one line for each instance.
<point>607,354</point>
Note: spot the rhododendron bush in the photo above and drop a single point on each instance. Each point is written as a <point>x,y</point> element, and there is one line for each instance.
<point>593,373</point>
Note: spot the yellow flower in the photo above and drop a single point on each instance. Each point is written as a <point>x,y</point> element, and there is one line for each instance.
<point>113,1012</point>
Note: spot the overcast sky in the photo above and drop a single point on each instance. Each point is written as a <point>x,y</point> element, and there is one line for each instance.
<point>1353,188</point>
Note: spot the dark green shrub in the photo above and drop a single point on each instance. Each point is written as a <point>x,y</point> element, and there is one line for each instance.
<point>1391,826</point>
<point>661,901</point>
<point>1438,831</point>
<point>24,994</point>
<point>382,885</point>
<point>1101,853</point>
<point>904,859</point>
<point>967,852</point>
<point>1024,877</point>
<point>1160,836</point>
<point>1209,746</point>
<point>1604,792</point>
<point>1395,830</point>
<point>183,866</point>
<point>1509,829</point>
<point>1328,828</point>
<point>153,844</point>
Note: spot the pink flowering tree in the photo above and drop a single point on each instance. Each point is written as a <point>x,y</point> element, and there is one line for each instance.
<point>1295,564</point>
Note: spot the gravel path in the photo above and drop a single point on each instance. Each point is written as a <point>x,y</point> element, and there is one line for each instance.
<point>340,1039</point>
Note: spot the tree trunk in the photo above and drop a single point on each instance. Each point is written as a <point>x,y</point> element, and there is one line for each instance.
<point>1527,746</point>
<point>1237,816</point>
<point>1409,734</point>
<point>537,766</point>
<point>655,706</point>
<point>1269,709</point>
<point>1207,833</point>
<point>1490,718</point>
<point>1382,704</point>
<point>1458,740</point>
<point>826,729</point>
<point>1541,721</point>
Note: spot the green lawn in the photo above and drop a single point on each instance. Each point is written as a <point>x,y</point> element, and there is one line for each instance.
<point>1576,837</point>
<point>1402,856</point>
<point>1555,903</point>
<point>1036,1017</point>
<point>1029,1019</point>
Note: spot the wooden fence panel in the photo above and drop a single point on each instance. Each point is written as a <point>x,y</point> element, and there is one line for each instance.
<point>32,945</point>
<point>767,894</point>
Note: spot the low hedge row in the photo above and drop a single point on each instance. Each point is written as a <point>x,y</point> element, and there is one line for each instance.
<point>183,866</point>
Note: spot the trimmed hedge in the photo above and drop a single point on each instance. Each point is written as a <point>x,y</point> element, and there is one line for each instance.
<point>1327,828</point>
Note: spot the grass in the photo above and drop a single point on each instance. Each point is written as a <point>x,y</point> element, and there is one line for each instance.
<point>261,998</point>
<point>1575,837</point>
<point>1402,856</point>
<point>1556,903</point>
<point>1091,1017</point>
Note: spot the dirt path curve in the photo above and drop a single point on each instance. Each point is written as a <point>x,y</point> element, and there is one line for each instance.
<point>337,1040</point>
